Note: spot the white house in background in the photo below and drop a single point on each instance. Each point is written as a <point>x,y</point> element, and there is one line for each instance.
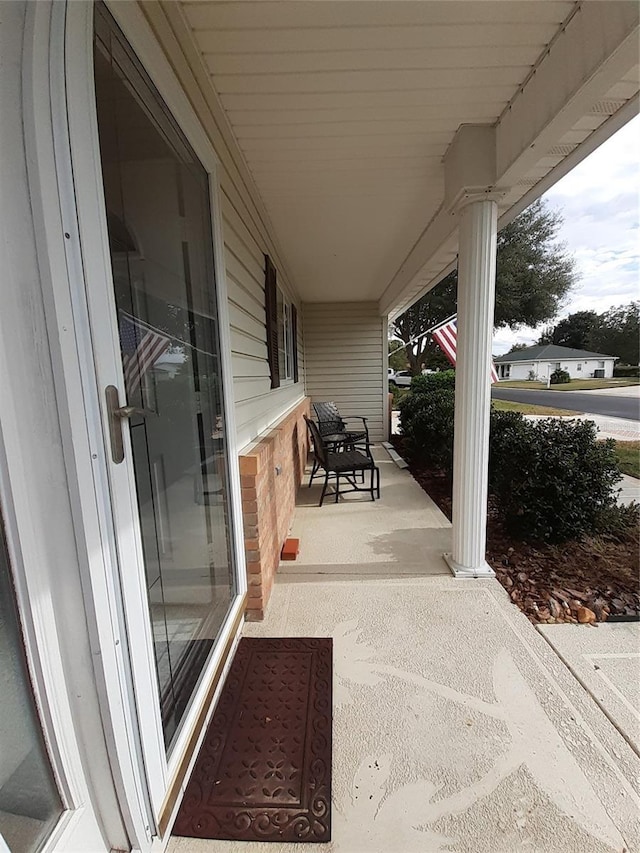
<point>540,361</point>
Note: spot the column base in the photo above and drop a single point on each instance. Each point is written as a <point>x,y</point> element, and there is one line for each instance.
<point>484,570</point>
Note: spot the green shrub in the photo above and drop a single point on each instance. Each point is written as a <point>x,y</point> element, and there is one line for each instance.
<point>551,479</point>
<point>427,382</point>
<point>502,422</point>
<point>619,522</point>
<point>426,422</point>
<point>398,394</point>
<point>427,417</point>
<point>560,377</point>
<point>626,371</point>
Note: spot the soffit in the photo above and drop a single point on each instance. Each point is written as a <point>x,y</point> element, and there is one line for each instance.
<point>344,110</point>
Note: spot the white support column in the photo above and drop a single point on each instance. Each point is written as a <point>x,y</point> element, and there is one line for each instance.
<point>476,301</point>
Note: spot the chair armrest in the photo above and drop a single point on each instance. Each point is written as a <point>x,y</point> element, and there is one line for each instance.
<point>364,424</point>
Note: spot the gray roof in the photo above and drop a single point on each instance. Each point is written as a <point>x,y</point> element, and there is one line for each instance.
<point>549,352</point>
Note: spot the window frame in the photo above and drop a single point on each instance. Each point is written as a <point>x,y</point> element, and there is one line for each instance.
<point>281,319</point>
<point>286,354</point>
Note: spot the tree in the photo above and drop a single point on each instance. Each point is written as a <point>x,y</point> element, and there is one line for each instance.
<point>428,311</point>
<point>617,332</point>
<point>614,332</point>
<point>397,355</point>
<point>533,276</point>
<point>517,348</point>
<point>534,273</point>
<point>573,331</point>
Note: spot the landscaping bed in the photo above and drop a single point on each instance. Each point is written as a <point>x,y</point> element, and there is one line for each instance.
<point>588,580</point>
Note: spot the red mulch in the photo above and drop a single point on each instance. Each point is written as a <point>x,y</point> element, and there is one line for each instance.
<point>589,580</point>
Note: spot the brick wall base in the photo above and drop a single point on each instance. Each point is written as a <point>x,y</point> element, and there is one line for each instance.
<point>271,470</point>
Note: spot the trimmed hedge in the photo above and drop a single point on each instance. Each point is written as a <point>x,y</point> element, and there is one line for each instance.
<point>426,422</point>
<point>551,480</point>
<point>425,382</point>
<point>626,371</point>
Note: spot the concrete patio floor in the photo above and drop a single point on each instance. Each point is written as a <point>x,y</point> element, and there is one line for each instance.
<point>456,725</point>
<point>607,663</point>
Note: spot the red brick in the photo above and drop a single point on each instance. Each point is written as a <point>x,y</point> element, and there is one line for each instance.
<point>248,465</point>
<point>290,549</point>
<point>269,501</point>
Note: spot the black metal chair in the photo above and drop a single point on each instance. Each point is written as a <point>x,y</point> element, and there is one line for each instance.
<point>334,428</point>
<point>335,434</point>
<point>345,463</point>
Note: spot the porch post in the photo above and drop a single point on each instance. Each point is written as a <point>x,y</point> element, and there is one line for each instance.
<point>476,300</point>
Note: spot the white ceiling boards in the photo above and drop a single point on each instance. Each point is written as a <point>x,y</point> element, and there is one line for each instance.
<point>343,112</point>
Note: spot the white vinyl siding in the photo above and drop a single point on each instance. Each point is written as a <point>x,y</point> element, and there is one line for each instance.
<point>257,406</point>
<point>577,368</point>
<point>345,348</point>
<point>247,238</point>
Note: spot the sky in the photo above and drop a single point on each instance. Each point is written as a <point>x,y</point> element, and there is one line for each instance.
<point>600,203</point>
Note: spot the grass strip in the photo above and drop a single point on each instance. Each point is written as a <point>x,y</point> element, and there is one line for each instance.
<point>530,409</point>
<point>628,453</point>
<point>573,385</point>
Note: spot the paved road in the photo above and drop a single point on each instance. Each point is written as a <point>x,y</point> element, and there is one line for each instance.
<point>614,407</point>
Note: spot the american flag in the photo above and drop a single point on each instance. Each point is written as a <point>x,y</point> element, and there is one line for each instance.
<point>446,336</point>
<point>141,346</point>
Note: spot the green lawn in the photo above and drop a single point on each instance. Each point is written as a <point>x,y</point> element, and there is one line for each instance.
<point>530,409</point>
<point>628,453</point>
<point>574,385</point>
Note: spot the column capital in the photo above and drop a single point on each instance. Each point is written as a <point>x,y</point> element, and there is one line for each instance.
<point>470,167</point>
<point>470,195</point>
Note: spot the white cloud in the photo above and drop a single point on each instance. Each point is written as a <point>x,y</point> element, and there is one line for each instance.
<point>600,203</point>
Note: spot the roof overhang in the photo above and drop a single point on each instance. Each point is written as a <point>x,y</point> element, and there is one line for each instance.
<point>344,119</point>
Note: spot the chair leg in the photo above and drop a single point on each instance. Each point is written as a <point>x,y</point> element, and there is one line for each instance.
<point>337,487</point>
<point>324,488</point>
<point>378,481</point>
<point>373,497</point>
<point>314,471</point>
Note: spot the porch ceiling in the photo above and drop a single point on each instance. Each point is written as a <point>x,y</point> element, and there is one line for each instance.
<point>343,112</point>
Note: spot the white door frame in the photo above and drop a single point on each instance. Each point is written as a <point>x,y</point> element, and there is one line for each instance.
<point>78,248</point>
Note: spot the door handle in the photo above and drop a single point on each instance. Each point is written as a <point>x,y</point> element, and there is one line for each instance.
<point>117,414</point>
<point>129,411</point>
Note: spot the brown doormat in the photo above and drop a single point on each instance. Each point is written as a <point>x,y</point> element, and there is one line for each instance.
<point>264,769</point>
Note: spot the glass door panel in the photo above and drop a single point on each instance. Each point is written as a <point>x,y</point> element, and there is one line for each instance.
<point>30,805</point>
<point>158,216</point>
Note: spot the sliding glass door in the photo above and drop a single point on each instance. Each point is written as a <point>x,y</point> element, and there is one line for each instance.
<point>164,305</point>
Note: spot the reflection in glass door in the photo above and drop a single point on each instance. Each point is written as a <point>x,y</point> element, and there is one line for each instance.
<point>30,804</point>
<point>158,216</point>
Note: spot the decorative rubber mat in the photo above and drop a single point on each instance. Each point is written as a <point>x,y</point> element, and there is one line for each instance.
<point>264,769</point>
